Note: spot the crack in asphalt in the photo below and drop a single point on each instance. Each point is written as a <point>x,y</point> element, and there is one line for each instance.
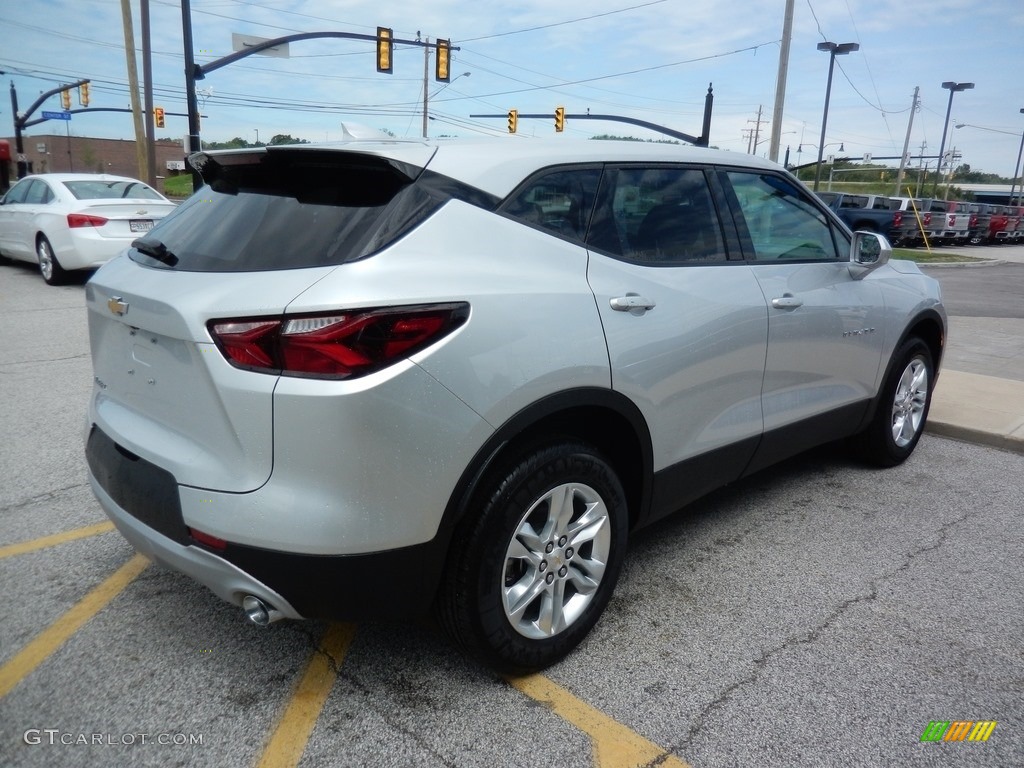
<point>811,636</point>
<point>48,496</point>
<point>12,363</point>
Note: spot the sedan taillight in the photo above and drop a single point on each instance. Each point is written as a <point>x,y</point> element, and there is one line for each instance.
<point>76,220</point>
<point>335,345</point>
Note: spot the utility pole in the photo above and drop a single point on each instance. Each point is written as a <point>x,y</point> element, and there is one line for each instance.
<point>906,141</point>
<point>426,81</point>
<point>133,85</point>
<point>757,129</point>
<point>780,84</point>
<point>147,95</point>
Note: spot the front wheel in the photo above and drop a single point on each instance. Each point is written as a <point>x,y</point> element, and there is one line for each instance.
<point>51,270</point>
<point>902,407</point>
<point>537,561</point>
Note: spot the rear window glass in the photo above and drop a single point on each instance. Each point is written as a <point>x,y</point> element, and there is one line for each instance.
<point>290,210</point>
<point>97,189</point>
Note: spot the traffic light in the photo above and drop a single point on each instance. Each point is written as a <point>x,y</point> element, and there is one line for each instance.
<point>384,49</point>
<point>158,115</point>
<point>513,120</point>
<point>442,58</point>
<point>559,119</point>
<point>83,94</point>
<point>65,98</point>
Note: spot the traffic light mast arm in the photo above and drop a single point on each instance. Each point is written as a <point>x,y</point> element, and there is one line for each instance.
<point>21,121</point>
<point>201,70</point>
<point>698,141</point>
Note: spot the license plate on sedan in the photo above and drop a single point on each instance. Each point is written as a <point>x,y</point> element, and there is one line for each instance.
<point>140,225</point>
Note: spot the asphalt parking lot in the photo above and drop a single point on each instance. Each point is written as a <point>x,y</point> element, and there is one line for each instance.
<point>818,614</point>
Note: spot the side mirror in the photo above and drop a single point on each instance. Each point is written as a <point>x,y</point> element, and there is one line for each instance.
<point>868,252</point>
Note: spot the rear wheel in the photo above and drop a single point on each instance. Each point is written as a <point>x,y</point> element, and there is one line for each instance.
<point>902,407</point>
<point>51,270</point>
<point>534,568</point>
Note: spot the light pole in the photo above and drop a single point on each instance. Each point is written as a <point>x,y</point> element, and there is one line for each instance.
<point>834,49</point>
<point>953,88</point>
<point>425,97</point>
<point>257,136</point>
<point>800,149</point>
<point>1016,169</point>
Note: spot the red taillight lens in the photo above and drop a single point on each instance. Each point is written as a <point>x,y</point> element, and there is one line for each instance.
<point>926,219</point>
<point>76,220</point>
<point>897,219</point>
<point>336,345</point>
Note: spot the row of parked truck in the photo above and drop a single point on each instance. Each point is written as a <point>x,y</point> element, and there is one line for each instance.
<point>910,222</point>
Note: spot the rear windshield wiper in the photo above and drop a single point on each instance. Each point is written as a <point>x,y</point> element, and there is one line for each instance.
<point>156,249</point>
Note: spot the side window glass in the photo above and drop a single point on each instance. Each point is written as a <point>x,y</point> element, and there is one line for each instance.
<point>559,201</point>
<point>18,192</point>
<point>38,194</point>
<point>782,222</point>
<point>660,215</point>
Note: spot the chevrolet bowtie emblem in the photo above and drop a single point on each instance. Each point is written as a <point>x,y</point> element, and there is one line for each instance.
<point>117,306</point>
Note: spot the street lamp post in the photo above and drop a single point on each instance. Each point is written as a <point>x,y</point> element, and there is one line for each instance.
<point>834,49</point>
<point>425,97</point>
<point>1016,170</point>
<point>953,88</point>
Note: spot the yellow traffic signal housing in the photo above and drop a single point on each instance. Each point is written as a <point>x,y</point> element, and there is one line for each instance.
<point>559,119</point>
<point>65,98</point>
<point>83,94</point>
<point>442,60</point>
<point>513,120</point>
<point>384,49</point>
<point>158,115</point>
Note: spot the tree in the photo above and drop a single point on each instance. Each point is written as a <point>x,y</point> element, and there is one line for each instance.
<point>284,138</point>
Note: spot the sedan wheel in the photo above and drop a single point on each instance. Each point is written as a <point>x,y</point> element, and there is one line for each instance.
<point>536,562</point>
<point>51,270</point>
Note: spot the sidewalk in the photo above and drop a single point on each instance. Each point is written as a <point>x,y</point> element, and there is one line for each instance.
<point>973,406</point>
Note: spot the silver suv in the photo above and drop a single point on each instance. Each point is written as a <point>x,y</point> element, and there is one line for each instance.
<point>361,380</point>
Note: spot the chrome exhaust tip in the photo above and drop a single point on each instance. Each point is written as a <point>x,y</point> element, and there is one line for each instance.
<point>256,611</point>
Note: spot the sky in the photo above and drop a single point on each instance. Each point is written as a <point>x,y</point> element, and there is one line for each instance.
<point>647,59</point>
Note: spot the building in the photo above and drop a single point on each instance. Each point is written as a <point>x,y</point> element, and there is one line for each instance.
<point>53,153</point>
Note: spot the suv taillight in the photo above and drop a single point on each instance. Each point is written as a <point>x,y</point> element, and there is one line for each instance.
<point>897,219</point>
<point>334,345</point>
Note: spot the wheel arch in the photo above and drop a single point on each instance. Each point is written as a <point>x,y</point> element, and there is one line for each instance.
<point>605,419</point>
<point>930,327</point>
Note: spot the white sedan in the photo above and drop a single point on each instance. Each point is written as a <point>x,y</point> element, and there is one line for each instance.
<point>70,221</point>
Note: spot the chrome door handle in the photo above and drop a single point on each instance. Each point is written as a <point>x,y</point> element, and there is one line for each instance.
<point>631,303</point>
<point>787,302</point>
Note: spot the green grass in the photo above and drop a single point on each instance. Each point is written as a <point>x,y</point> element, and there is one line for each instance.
<point>178,186</point>
<point>922,256</point>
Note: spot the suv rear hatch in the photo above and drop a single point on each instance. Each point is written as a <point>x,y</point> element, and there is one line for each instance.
<point>268,226</point>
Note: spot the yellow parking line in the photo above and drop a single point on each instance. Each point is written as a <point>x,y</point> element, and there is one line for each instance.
<point>54,636</point>
<point>615,745</point>
<point>289,740</point>
<point>58,538</point>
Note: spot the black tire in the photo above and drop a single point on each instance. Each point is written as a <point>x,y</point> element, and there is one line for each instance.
<point>902,408</point>
<point>511,594</point>
<point>51,270</point>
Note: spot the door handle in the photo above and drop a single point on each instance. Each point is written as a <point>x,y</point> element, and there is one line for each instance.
<point>631,303</point>
<point>787,302</point>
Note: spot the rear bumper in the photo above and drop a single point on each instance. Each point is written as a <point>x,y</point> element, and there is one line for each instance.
<point>225,580</point>
<point>143,502</point>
